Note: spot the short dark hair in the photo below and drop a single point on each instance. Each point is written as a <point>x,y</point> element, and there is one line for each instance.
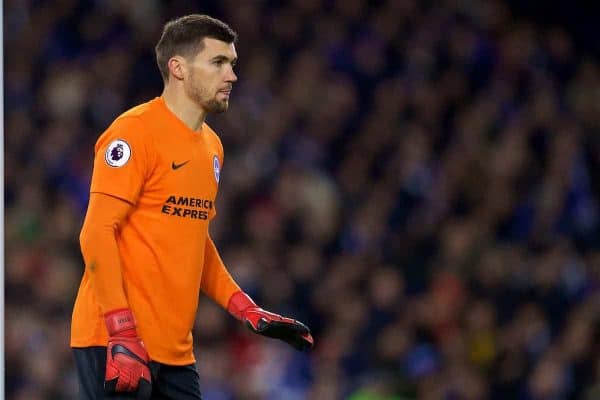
<point>184,36</point>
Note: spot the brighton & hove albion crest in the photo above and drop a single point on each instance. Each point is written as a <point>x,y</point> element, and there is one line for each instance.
<point>117,153</point>
<point>217,168</point>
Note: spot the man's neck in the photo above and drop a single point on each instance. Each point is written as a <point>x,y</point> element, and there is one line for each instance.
<point>183,108</point>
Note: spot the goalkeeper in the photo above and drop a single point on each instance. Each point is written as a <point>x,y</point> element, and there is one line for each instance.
<point>145,240</point>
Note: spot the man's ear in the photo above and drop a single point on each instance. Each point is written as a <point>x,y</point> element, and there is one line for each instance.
<point>177,67</point>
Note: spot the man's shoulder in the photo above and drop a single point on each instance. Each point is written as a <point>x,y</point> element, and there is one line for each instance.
<point>140,118</point>
<point>134,125</point>
<point>142,111</point>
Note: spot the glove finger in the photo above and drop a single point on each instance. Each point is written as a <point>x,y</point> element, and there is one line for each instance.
<point>301,342</point>
<point>144,390</point>
<point>296,335</point>
<point>308,339</point>
<point>297,342</point>
<point>289,327</point>
<point>280,330</point>
<point>265,327</point>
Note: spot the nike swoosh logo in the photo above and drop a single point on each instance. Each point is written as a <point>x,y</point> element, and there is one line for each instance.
<point>177,166</point>
<point>118,348</point>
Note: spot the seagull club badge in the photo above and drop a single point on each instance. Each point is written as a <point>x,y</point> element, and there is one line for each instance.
<point>117,153</point>
<point>217,168</point>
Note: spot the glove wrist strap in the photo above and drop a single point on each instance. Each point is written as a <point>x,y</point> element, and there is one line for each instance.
<point>239,303</point>
<point>120,321</point>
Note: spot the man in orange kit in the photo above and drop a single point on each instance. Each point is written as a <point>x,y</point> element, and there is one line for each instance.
<point>145,238</point>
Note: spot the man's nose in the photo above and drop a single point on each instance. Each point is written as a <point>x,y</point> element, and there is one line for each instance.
<point>231,76</point>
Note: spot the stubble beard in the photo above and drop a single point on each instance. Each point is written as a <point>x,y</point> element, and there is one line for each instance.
<point>215,106</point>
<point>199,95</point>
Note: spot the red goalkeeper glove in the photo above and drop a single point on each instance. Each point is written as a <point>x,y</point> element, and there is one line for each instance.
<point>127,362</point>
<point>265,323</point>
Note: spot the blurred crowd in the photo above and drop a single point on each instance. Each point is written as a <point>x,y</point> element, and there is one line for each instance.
<point>418,181</point>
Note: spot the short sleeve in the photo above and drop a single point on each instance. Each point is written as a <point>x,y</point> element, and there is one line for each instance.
<point>123,160</point>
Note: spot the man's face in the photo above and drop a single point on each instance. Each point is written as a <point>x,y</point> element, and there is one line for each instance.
<point>210,75</point>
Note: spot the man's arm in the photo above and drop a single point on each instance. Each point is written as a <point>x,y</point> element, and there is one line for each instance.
<point>218,284</point>
<point>100,252</point>
<point>127,360</point>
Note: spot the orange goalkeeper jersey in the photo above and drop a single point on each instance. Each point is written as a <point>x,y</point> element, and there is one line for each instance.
<point>170,174</point>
